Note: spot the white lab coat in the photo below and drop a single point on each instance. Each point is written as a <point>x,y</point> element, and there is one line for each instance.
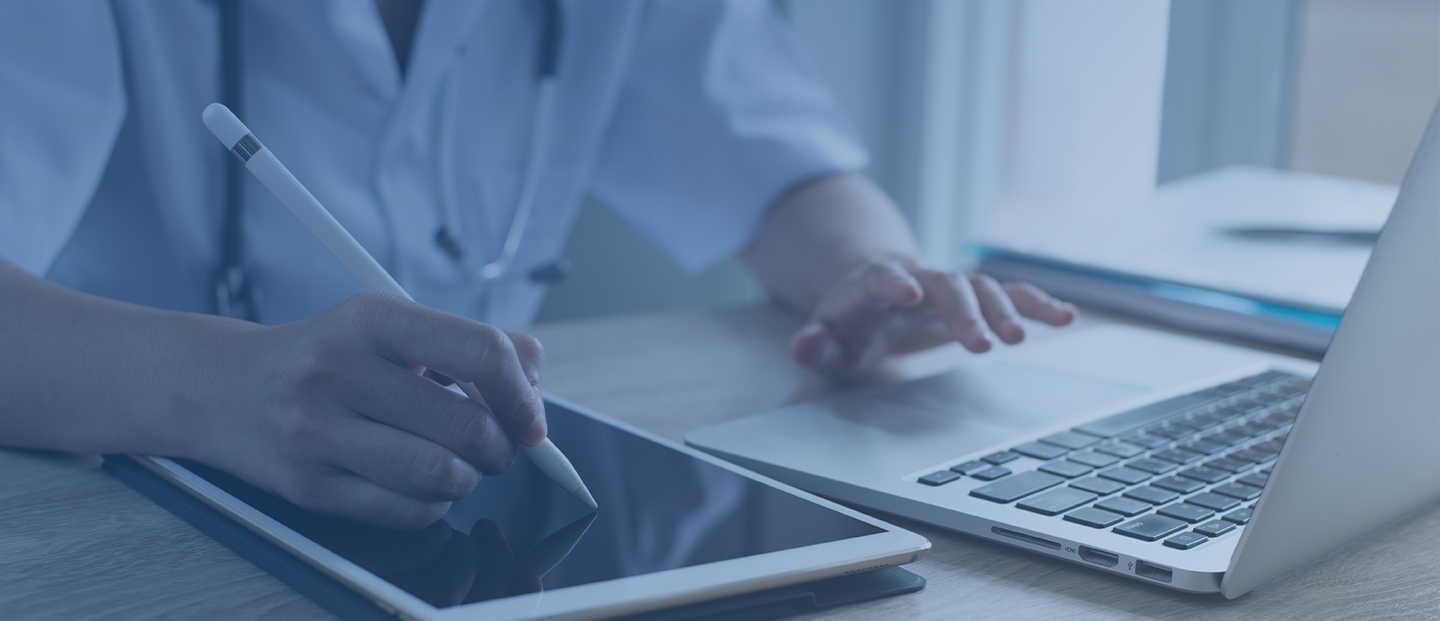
<point>689,117</point>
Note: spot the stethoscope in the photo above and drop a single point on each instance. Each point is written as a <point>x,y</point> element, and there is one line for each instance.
<point>232,288</point>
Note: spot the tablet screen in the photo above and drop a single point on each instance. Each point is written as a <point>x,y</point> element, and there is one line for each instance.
<point>520,533</point>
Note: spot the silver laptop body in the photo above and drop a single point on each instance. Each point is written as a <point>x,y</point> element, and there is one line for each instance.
<point>1199,466</point>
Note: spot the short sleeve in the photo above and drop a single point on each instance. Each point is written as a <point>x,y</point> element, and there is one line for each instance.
<point>62,102</point>
<point>718,116</point>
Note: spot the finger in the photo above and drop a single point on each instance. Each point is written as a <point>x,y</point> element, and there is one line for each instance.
<point>998,311</point>
<point>891,283</point>
<point>955,301</point>
<point>1035,304</point>
<point>465,351</point>
<point>353,497</point>
<point>403,463</point>
<point>412,404</point>
<point>846,330</point>
<point>531,354</point>
<point>815,348</point>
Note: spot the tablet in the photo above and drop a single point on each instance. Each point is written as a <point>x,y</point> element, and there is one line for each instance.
<point>675,526</point>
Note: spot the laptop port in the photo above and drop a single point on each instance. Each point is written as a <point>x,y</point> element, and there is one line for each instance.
<point>1153,572</point>
<point>1099,557</point>
<point>1030,539</point>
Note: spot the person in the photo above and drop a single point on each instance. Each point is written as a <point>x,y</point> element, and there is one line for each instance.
<point>699,121</point>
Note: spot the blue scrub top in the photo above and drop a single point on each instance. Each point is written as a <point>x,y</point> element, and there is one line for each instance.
<point>689,117</point>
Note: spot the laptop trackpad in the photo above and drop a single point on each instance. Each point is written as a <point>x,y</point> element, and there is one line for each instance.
<point>892,430</point>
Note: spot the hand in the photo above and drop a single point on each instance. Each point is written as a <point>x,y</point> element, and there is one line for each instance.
<point>332,413</point>
<point>894,307</point>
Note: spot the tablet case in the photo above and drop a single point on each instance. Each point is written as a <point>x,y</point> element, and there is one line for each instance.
<point>345,603</point>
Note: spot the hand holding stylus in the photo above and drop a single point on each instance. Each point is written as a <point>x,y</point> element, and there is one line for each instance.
<point>499,371</point>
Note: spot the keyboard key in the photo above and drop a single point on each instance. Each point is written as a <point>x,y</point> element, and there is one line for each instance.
<point>1148,441</point>
<point>970,467</point>
<point>1206,474</point>
<point>1001,457</point>
<point>1255,455</point>
<point>1238,490</point>
<point>1092,517</point>
<point>1249,429</point>
<point>1204,446</point>
<point>1229,437</point>
<point>1170,432</point>
<point>1178,455</point>
<point>1204,420</point>
<point>1096,485</point>
<point>1225,463</point>
<point>1214,528</point>
<point>1149,527</point>
<point>1240,457</point>
<point>1093,459</point>
<point>1239,516</point>
<point>1119,449</point>
<point>991,473</point>
<point>1152,495</point>
<point>1153,466</point>
<point>1188,512</point>
<point>1184,485</point>
<point>1272,446</point>
<point>1016,487</point>
<point>938,478</point>
<point>1254,479</point>
<point>1067,469</point>
<point>1213,502</point>
<point>1123,506</point>
<point>1040,451</point>
<point>1185,541</point>
<point>1186,423</point>
<point>1125,475</point>
<point>1070,440</point>
<point>1056,501</point>
<point>1129,420</point>
<point>1229,413</point>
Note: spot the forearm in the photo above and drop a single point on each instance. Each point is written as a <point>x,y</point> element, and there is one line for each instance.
<point>823,230</point>
<point>87,374</point>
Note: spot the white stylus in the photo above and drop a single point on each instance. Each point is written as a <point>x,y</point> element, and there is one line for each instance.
<point>353,257</point>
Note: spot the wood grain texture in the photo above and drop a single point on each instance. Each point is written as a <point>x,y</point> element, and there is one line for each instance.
<point>76,543</point>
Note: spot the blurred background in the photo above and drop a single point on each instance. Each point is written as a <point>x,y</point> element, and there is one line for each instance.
<point>973,107</point>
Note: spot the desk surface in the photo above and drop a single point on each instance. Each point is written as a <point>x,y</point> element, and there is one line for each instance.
<point>75,543</point>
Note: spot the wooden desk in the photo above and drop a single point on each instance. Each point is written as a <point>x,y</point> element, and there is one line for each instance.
<point>76,543</point>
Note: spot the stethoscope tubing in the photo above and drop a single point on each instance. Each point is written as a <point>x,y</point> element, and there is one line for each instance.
<point>448,238</point>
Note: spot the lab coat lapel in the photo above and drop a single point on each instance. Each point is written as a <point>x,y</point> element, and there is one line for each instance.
<point>444,26</point>
<point>405,167</point>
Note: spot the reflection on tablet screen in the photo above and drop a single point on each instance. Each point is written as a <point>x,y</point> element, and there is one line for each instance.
<point>520,533</point>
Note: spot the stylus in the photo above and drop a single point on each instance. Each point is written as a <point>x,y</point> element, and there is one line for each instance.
<point>353,257</point>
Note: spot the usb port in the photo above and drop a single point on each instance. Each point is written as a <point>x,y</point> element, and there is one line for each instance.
<point>1153,572</point>
<point>1099,557</point>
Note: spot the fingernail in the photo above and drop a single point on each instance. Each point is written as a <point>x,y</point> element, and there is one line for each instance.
<point>827,354</point>
<point>1011,332</point>
<point>535,434</point>
<point>977,342</point>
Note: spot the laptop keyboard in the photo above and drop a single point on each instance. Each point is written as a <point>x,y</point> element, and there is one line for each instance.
<point>1181,471</point>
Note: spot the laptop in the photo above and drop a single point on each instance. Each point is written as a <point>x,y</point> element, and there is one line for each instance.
<point>1181,462</point>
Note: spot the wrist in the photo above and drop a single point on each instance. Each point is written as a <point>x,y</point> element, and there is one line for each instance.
<point>218,377</point>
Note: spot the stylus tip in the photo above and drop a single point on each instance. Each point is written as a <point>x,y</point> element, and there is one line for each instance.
<point>584,495</point>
